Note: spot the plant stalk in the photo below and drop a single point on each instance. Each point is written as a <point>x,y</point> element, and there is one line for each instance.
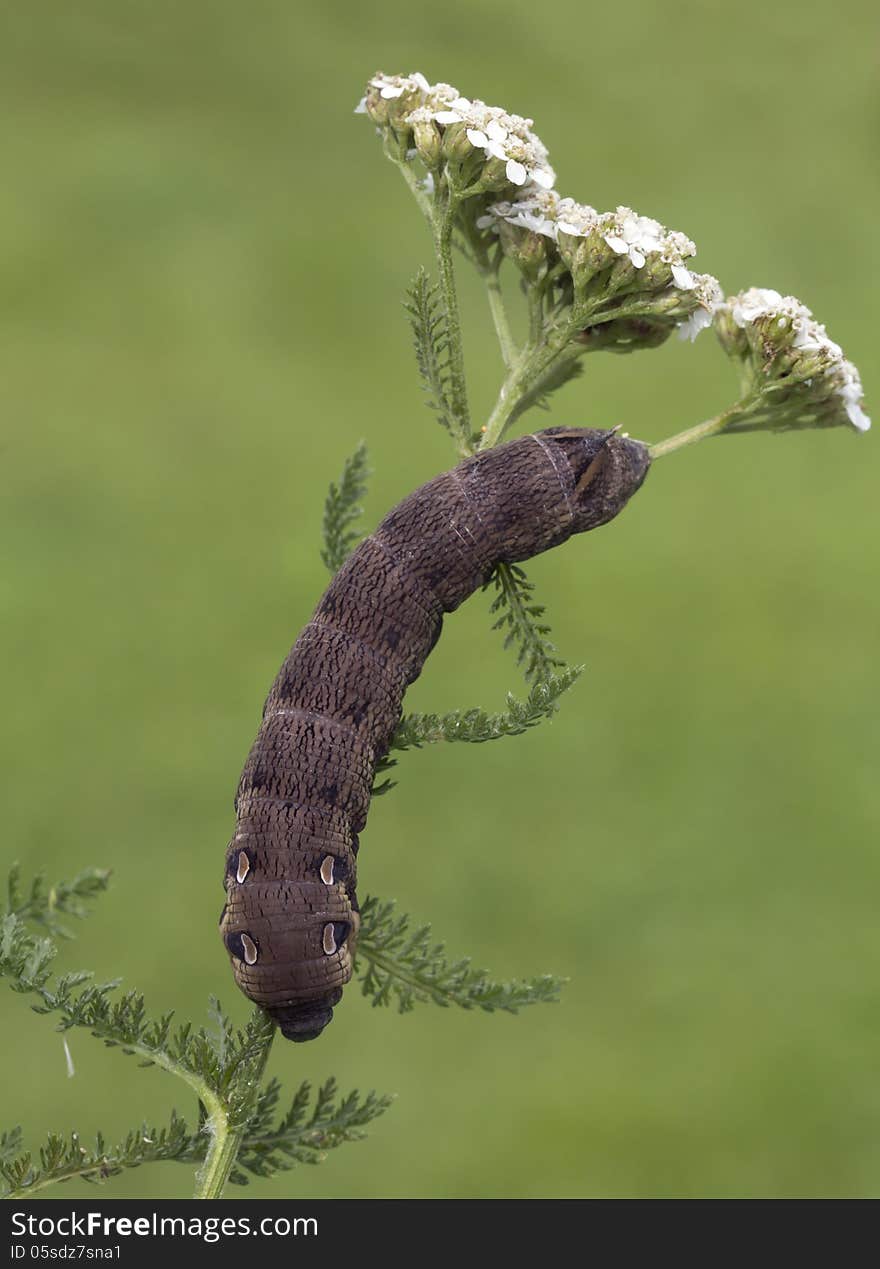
<point>533,363</point>
<point>226,1138</point>
<point>499,317</point>
<point>442,222</point>
<point>690,436</point>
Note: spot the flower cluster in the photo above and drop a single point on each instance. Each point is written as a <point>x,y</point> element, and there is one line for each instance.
<point>481,148</point>
<point>793,372</point>
<point>612,280</point>
<point>618,265</point>
<point>614,267</point>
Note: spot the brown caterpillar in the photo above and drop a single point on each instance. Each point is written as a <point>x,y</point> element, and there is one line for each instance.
<point>291,915</point>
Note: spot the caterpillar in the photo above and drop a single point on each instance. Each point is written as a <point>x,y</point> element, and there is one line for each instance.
<point>290,922</point>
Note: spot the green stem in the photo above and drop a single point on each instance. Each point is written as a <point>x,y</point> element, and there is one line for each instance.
<point>210,1099</point>
<point>442,221</point>
<point>509,396</point>
<point>225,1137</point>
<point>690,436</point>
<point>416,186</point>
<point>225,1144</point>
<point>210,1175</point>
<point>536,315</point>
<point>533,363</point>
<point>499,314</point>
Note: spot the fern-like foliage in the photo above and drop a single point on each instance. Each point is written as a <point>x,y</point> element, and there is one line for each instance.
<point>64,1158</point>
<point>475,726</point>
<point>271,1146</point>
<point>520,617</point>
<point>222,1064</point>
<point>209,1062</point>
<point>304,1134</point>
<point>431,344</point>
<point>396,962</point>
<point>40,904</point>
<point>342,509</point>
<point>10,1144</point>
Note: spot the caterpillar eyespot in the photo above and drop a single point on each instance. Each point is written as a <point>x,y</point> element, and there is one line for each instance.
<point>239,944</point>
<point>290,926</point>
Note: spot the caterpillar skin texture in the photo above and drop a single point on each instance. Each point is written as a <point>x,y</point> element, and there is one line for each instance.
<point>291,916</point>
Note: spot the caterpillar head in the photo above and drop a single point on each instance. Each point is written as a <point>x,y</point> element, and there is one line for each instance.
<point>305,1020</point>
<point>607,469</point>
<point>302,1020</point>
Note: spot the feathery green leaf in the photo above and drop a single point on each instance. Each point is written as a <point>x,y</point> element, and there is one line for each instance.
<point>40,903</point>
<point>475,726</point>
<point>299,1137</point>
<point>395,962</point>
<point>342,509</point>
<point>10,1143</point>
<point>122,1020</point>
<point>222,1065</point>
<point>63,1158</point>
<point>519,617</point>
<point>431,344</point>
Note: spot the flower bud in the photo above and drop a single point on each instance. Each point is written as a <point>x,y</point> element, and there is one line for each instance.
<point>581,246</point>
<point>731,336</point>
<point>656,273</point>
<point>528,250</point>
<point>390,99</point>
<point>794,375</point>
<point>584,256</point>
<point>427,141</point>
<point>623,276</point>
<point>492,178</point>
<point>376,107</point>
<point>456,146</point>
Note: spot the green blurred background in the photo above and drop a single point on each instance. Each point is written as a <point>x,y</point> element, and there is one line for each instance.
<point>203,258</point>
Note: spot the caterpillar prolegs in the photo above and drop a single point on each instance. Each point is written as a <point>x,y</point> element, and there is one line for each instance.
<point>291,916</point>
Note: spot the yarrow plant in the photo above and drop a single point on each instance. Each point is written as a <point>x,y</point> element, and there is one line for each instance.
<point>616,281</point>
<point>613,281</point>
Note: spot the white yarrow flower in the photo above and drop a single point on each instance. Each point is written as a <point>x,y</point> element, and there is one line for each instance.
<point>499,135</point>
<point>502,136</point>
<point>669,290</point>
<point>707,291</point>
<point>537,209</point>
<point>578,220</point>
<point>634,236</point>
<point>392,86</point>
<point>698,321</point>
<point>788,350</point>
<point>683,278</point>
